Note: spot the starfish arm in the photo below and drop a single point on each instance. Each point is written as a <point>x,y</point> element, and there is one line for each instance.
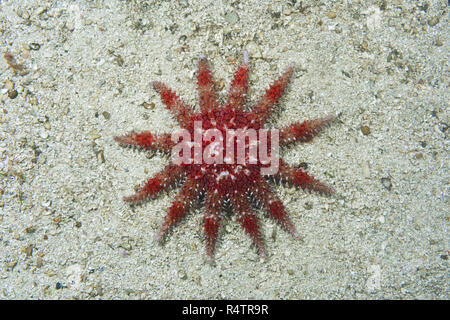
<point>237,94</point>
<point>211,221</point>
<point>248,220</point>
<point>264,107</point>
<point>188,193</point>
<point>301,179</point>
<point>207,93</point>
<point>148,141</point>
<point>303,131</point>
<point>270,201</point>
<point>167,177</point>
<point>174,103</point>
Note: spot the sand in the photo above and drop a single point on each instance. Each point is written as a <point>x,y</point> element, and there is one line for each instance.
<point>65,232</point>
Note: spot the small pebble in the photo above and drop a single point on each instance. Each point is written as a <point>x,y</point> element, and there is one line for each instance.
<point>332,14</point>
<point>44,134</point>
<point>30,229</point>
<point>433,21</point>
<point>9,85</point>
<point>39,262</point>
<point>51,273</point>
<point>365,130</point>
<point>232,17</point>
<point>387,184</point>
<point>94,135</point>
<point>101,156</point>
<point>106,115</point>
<point>228,228</point>
<point>149,106</point>
<point>273,233</point>
<point>287,12</point>
<point>182,275</point>
<point>124,253</point>
<point>12,94</point>
<point>364,46</point>
<point>291,190</point>
<point>23,14</point>
<point>126,246</point>
<point>34,46</point>
<point>254,50</point>
<point>28,250</point>
<point>11,264</point>
<point>42,159</point>
<point>365,170</point>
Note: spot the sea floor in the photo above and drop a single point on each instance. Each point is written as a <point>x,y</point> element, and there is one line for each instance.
<point>77,73</point>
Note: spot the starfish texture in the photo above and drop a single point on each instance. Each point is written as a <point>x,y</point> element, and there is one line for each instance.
<point>240,186</point>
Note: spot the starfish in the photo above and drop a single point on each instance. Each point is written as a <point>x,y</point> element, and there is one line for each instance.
<point>226,181</point>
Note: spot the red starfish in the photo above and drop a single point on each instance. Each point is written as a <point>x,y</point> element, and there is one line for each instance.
<point>238,185</point>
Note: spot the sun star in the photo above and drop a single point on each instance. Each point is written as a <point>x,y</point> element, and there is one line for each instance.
<point>233,183</point>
